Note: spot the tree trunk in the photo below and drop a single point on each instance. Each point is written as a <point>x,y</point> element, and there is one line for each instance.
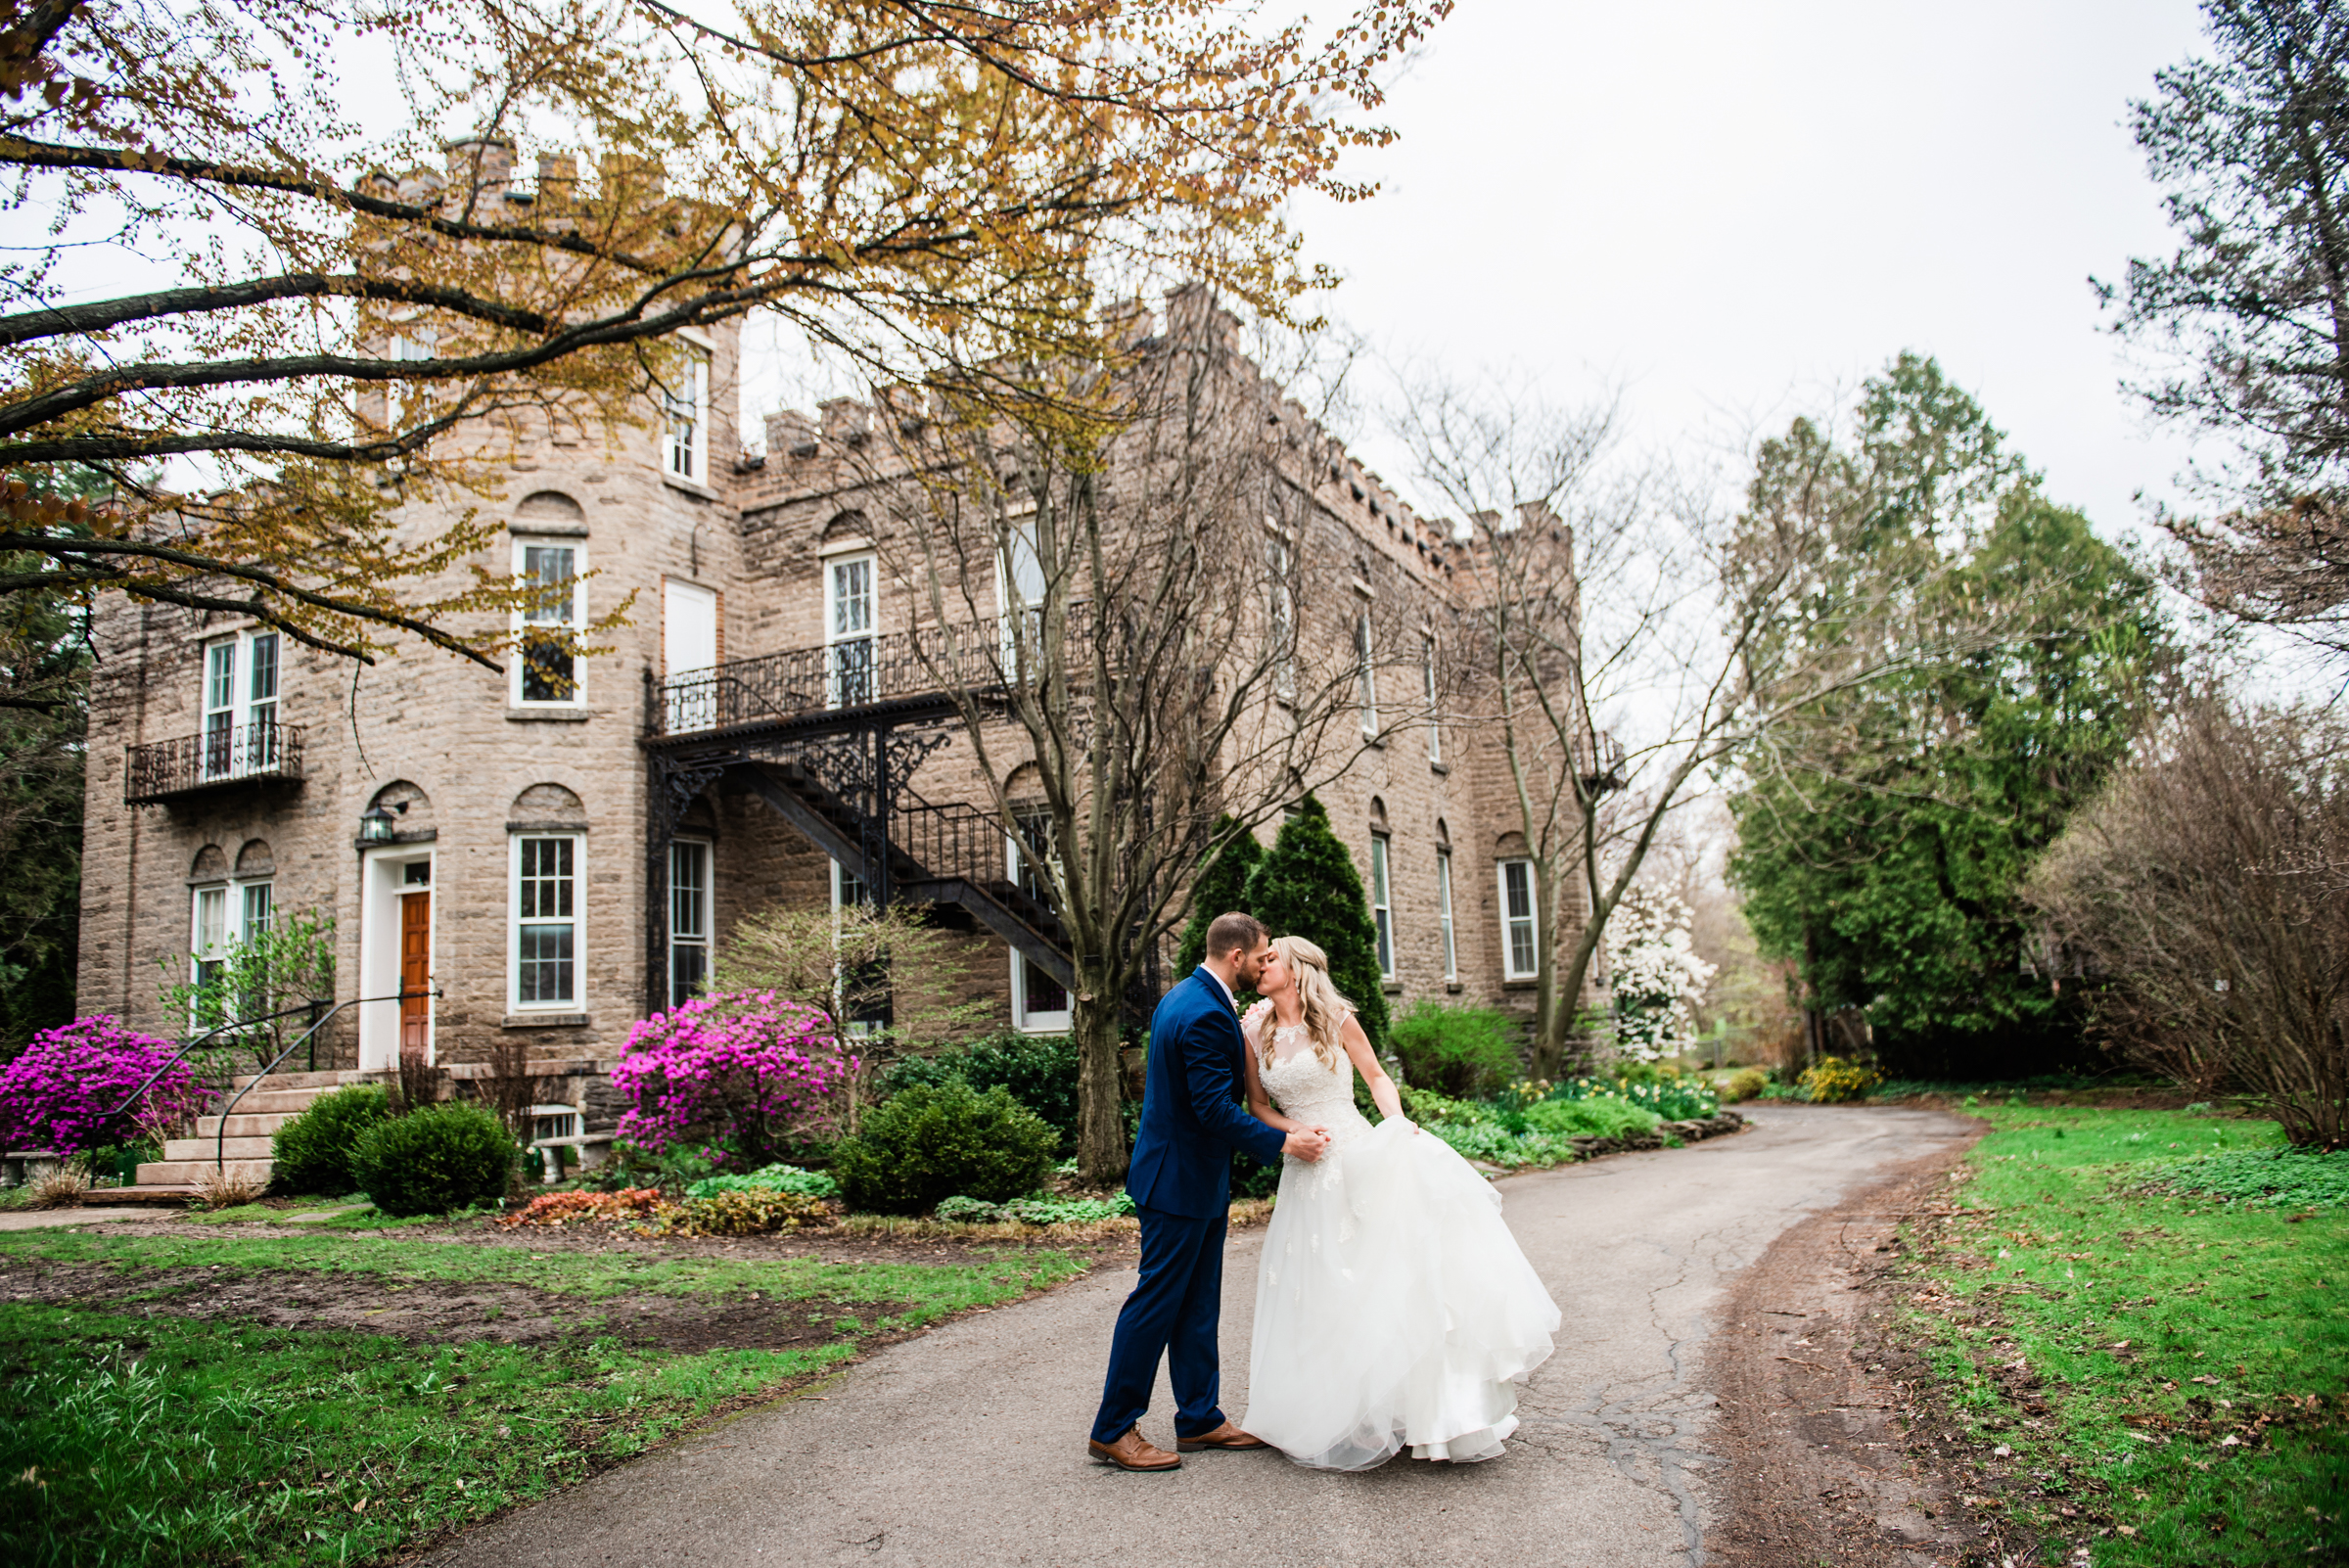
<point>1100,1123</point>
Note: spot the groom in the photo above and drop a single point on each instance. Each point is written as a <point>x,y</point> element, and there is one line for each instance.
<point>1181,1181</point>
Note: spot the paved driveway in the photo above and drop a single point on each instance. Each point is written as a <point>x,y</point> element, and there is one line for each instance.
<point>966,1446</point>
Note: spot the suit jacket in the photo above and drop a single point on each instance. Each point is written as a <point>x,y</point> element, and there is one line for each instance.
<point>1192,1115</point>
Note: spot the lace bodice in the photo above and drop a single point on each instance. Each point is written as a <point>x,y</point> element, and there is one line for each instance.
<point>1307,1090</point>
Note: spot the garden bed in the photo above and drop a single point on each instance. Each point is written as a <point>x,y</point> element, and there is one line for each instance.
<point>347,1394</point>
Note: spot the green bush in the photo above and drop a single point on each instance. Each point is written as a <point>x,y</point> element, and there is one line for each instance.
<point>1745,1084</point>
<point>312,1153</point>
<point>744,1212</point>
<point>1599,1117</point>
<point>1036,1210</point>
<point>769,1178</point>
<point>1222,888</point>
<point>435,1159</point>
<point>1459,1053</point>
<point>1039,1069</point>
<point>936,1142</point>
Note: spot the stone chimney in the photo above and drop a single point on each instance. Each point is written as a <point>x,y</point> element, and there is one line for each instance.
<point>631,175</point>
<point>557,177</point>
<point>847,421</point>
<point>483,164</point>
<point>791,434</point>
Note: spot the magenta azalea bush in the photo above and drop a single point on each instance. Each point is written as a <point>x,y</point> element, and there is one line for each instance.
<point>62,1089</point>
<point>736,1076</point>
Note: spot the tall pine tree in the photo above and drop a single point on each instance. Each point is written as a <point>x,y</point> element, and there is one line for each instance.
<point>1218,890</point>
<point>1308,887</point>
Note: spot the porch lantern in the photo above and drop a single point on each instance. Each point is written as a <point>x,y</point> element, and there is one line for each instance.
<point>377,826</point>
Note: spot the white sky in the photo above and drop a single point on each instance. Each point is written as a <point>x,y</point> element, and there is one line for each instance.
<point>1733,210</point>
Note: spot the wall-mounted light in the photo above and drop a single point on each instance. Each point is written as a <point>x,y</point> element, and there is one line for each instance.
<point>379,826</point>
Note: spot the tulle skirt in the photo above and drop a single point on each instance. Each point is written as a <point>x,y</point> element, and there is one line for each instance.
<point>1392,1308</point>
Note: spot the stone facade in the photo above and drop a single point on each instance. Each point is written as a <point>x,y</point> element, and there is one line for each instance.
<point>496,799</point>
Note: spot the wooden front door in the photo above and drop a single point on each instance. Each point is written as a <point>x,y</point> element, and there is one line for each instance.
<point>415,971</point>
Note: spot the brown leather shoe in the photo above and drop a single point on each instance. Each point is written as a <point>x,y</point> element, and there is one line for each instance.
<point>1226,1436</point>
<point>1134,1452</point>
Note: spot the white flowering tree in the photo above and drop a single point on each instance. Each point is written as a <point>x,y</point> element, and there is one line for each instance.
<point>1658,977</point>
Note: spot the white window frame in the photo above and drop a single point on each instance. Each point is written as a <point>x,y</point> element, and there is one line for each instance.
<point>577,920</point>
<point>1369,677</point>
<point>1284,613</point>
<point>849,682</point>
<point>1434,725</point>
<point>246,720</point>
<point>704,909</point>
<point>1510,923</point>
<point>1020,567</point>
<point>1023,1019</point>
<point>685,421</point>
<point>572,619</point>
<point>407,400</point>
<point>237,923</point>
<point>1452,943</point>
<point>1382,902</point>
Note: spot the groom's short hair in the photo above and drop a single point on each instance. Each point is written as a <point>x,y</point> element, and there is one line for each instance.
<point>1228,931</point>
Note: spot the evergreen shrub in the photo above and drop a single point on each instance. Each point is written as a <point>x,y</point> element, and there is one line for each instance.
<point>1040,1071</point>
<point>312,1152</point>
<point>1746,1083</point>
<point>435,1159</point>
<point>1459,1053</point>
<point>1308,887</point>
<point>935,1141</point>
<point>1222,888</point>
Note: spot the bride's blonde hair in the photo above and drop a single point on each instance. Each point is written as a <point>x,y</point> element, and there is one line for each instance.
<point>1325,1010</point>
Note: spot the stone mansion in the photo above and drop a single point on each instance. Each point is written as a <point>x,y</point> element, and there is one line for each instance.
<point>551,855</point>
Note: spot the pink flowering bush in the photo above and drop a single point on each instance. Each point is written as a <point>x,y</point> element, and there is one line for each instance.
<point>736,1076</point>
<point>62,1091</point>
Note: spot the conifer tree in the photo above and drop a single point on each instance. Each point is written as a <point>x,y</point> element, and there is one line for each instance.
<point>1308,887</point>
<point>1218,890</point>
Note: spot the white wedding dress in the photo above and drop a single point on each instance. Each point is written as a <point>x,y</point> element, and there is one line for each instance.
<point>1393,1306</point>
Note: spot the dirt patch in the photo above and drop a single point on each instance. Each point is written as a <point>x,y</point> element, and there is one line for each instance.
<point>1827,1459</point>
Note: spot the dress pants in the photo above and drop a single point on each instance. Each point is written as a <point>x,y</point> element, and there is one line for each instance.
<point>1174,1309</point>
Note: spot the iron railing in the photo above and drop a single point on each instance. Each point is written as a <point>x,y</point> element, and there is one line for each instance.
<point>228,755</point>
<point>855,672</point>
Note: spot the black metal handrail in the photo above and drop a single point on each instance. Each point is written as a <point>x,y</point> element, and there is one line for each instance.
<point>853,672</point>
<point>311,1007</point>
<point>220,1133</point>
<point>231,754</point>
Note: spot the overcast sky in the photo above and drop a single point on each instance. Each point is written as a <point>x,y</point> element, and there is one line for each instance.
<point>1732,209</point>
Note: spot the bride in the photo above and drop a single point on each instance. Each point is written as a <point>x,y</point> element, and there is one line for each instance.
<point>1393,1306</point>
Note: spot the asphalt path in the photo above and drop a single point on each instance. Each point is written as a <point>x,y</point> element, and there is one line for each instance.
<point>966,1446</point>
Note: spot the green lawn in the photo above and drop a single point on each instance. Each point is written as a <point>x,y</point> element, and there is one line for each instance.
<point>2168,1365</point>
<point>129,1438</point>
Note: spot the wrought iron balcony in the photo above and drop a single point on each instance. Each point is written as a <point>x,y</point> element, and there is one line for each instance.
<point>233,753</point>
<point>849,674</point>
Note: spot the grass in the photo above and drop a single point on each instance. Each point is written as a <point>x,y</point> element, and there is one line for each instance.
<point>2150,1351</point>
<point>134,1439</point>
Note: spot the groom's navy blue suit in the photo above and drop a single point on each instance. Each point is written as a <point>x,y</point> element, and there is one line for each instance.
<point>1180,1179</point>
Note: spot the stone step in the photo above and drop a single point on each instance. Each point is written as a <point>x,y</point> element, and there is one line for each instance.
<point>272,1102</point>
<point>324,1079</point>
<point>184,1173</point>
<point>161,1197</point>
<point>259,1124</point>
<point>234,1149</point>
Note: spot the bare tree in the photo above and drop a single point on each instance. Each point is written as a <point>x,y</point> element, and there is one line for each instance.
<point>1171,654</point>
<point>1628,638</point>
<point>2204,899</point>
